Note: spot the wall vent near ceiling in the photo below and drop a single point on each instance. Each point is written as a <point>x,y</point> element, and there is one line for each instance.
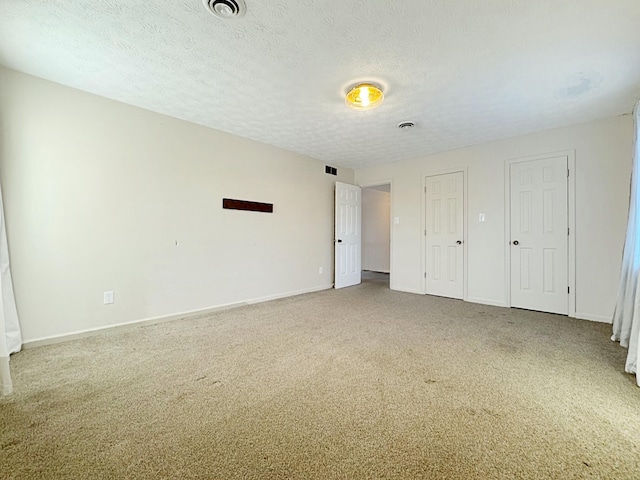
<point>226,9</point>
<point>330,170</point>
<point>403,125</point>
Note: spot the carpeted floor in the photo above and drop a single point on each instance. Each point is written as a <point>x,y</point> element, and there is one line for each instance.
<point>356,383</point>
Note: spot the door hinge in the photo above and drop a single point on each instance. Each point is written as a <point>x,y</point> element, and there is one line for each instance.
<point>568,231</point>
<point>425,189</point>
<point>567,173</point>
<point>425,274</point>
<point>425,233</point>
<point>568,289</point>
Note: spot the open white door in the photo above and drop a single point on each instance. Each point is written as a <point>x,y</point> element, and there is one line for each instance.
<point>347,235</point>
<point>539,235</point>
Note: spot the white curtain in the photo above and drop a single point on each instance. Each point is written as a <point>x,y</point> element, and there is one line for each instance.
<point>10,338</point>
<point>626,319</point>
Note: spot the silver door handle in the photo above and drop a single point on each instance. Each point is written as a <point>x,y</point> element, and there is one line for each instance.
<point>459,242</point>
<point>516,242</point>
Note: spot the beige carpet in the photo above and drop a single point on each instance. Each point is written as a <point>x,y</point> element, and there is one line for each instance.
<point>356,383</point>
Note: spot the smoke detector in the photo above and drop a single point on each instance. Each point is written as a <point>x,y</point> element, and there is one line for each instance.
<point>406,125</point>
<point>226,9</point>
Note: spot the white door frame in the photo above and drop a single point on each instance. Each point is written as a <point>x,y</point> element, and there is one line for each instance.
<point>571,204</point>
<point>465,176</point>
<point>391,229</point>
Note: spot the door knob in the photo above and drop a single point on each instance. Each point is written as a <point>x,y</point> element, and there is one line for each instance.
<point>459,242</point>
<point>339,241</point>
<point>515,242</point>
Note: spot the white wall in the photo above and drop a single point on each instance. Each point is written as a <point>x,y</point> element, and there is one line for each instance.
<point>603,165</point>
<point>375,230</point>
<point>98,192</point>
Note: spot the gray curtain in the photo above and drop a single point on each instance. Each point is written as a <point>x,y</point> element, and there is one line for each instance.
<point>10,337</point>
<point>626,318</point>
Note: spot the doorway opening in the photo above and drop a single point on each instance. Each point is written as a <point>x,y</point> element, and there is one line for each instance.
<point>376,234</point>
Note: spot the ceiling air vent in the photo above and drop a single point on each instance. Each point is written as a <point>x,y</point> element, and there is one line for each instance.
<point>226,9</point>
<point>403,125</point>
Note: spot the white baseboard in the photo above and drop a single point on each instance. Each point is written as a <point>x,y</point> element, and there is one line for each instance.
<point>38,342</point>
<point>288,294</point>
<point>406,290</point>
<point>484,301</point>
<point>594,318</point>
<point>65,337</point>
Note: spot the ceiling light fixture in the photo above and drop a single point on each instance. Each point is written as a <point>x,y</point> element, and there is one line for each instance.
<point>226,9</point>
<point>364,96</point>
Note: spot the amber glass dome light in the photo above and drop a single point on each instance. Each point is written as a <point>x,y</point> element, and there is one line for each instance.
<point>364,96</point>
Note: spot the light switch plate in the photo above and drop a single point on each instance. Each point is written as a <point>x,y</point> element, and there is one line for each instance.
<point>108,297</point>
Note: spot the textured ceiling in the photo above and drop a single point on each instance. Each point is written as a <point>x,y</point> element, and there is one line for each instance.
<point>466,72</point>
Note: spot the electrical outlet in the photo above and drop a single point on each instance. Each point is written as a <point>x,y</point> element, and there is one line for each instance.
<point>320,270</point>
<point>108,297</point>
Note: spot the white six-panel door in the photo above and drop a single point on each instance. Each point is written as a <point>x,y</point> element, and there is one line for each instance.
<point>444,234</point>
<point>539,235</point>
<point>348,235</point>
